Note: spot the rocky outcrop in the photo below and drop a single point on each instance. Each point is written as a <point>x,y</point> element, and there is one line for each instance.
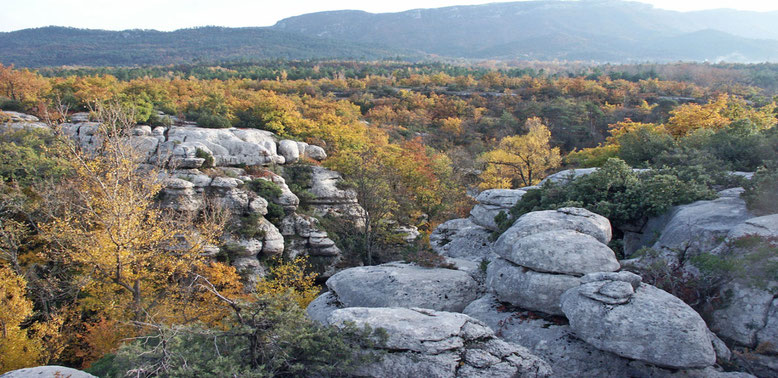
<point>567,218</point>
<point>491,202</point>
<point>750,317</point>
<point>701,226</point>
<point>543,255</point>
<point>641,322</point>
<point>330,200</point>
<point>426,343</point>
<point>461,238</point>
<point>304,236</point>
<point>403,285</point>
<point>47,371</point>
<point>564,177</point>
<point>19,121</point>
<point>691,229</point>
<point>554,341</point>
<point>526,288</point>
<point>562,251</point>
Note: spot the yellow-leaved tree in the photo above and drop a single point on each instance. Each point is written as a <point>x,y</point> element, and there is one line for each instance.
<point>520,160</point>
<point>131,255</point>
<point>22,347</point>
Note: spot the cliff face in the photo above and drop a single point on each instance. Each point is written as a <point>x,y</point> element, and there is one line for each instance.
<point>241,171</point>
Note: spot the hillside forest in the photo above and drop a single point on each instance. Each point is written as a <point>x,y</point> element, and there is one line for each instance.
<point>415,141</point>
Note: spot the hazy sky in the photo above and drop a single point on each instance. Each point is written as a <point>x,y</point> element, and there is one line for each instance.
<point>176,14</point>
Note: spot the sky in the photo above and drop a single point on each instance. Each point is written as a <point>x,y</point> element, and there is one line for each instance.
<point>177,14</point>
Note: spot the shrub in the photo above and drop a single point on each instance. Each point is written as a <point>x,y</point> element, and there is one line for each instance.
<point>229,251</point>
<point>203,154</point>
<point>616,192</point>
<point>271,337</point>
<point>11,105</point>
<point>761,193</point>
<point>249,227</point>
<point>269,191</point>
<point>213,121</point>
<point>264,188</point>
<point>591,157</point>
<point>289,278</point>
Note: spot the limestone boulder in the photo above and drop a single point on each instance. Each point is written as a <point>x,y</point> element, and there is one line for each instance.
<point>568,218</point>
<point>646,323</point>
<point>747,315</point>
<point>491,202</point>
<point>404,285</point>
<point>289,150</point>
<point>562,251</point>
<point>552,339</point>
<point>47,371</point>
<point>526,288</point>
<point>461,238</point>
<point>427,343</point>
<point>701,226</point>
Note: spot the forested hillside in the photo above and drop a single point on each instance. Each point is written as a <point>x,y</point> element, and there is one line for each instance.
<point>56,46</point>
<point>615,31</point>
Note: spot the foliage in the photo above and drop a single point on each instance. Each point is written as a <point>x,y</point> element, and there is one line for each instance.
<point>269,191</point>
<point>521,160</point>
<point>213,121</point>
<point>616,192</point>
<point>104,220</point>
<point>591,157</point>
<point>203,154</point>
<point>268,337</point>
<point>289,278</point>
<point>20,347</point>
<point>26,156</point>
<point>761,193</point>
<point>250,226</point>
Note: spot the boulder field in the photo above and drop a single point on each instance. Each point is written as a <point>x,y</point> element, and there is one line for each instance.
<point>553,290</point>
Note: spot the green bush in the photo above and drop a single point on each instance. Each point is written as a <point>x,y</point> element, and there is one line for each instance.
<point>271,338</point>
<point>11,105</point>
<point>641,147</point>
<point>264,188</point>
<point>213,121</point>
<point>249,227</point>
<point>202,154</point>
<point>618,193</point>
<point>29,155</point>
<point>761,193</point>
<point>269,191</point>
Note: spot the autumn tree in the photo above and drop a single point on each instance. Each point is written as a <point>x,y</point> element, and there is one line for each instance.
<point>104,220</point>
<point>18,346</point>
<point>520,160</point>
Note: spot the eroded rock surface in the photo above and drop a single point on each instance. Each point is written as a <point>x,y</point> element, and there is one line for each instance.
<point>427,343</point>
<point>404,285</point>
<point>645,323</point>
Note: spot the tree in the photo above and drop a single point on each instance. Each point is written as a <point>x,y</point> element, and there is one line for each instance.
<point>520,160</point>
<point>19,349</point>
<point>130,253</point>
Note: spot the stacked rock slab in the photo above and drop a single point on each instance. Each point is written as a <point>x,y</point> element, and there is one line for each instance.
<point>544,254</point>
<point>427,343</point>
<point>463,239</point>
<point>493,201</point>
<point>616,313</point>
<point>396,285</point>
<point>568,355</point>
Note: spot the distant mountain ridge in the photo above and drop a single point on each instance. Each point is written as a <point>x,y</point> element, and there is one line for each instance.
<point>588,30</point>
<point>600,30</point>
<point>55,46</point>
